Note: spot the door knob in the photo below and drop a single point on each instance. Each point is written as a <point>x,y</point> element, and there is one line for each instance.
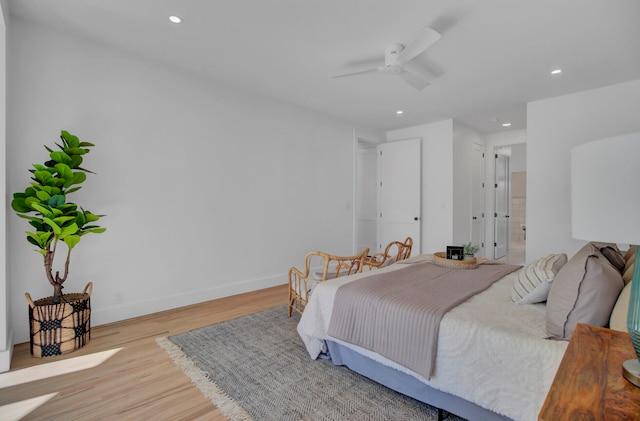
<point>416,218</point>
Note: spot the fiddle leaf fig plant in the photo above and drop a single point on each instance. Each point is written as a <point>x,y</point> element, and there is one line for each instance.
<point>45,205</point>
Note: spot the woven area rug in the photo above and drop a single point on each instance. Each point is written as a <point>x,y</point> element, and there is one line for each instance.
<point>257,368</point>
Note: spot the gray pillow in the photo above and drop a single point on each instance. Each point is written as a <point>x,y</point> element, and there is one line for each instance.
<point>584,291</point>
<point>614,257</point>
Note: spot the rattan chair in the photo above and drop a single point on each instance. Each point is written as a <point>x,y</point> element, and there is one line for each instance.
<point>301,283</point>
<point>394,252</point>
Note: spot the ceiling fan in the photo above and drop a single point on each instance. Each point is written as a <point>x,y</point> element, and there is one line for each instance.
<point>398,60</point>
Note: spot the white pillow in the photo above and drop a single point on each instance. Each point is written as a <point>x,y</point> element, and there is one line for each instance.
<point>534,282</point>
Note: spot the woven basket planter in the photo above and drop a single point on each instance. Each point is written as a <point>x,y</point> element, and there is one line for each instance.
<point>57,329</point>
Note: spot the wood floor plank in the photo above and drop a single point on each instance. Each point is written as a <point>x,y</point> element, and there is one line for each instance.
<point>140,381</point>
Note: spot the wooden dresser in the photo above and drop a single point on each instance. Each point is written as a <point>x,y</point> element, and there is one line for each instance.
<point>589,383</point>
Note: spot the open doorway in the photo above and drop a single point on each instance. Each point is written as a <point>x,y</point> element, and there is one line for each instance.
<point>510,203</point>
<point>365,196</point>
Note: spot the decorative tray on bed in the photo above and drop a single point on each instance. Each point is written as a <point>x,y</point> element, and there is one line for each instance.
<point>440,259</point>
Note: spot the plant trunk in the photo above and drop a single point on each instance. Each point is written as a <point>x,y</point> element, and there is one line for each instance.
<point>55,281</point>
<point>57,293</point>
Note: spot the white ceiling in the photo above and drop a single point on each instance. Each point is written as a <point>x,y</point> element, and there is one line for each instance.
<point>494,55</point>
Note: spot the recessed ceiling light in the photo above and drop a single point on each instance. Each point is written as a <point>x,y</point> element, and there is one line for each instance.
<point>175,19</point>
<point>506,124</point>
<point>399,112</point>
<point>556,71</point>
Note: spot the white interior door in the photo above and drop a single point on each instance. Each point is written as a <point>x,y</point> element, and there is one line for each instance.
<point>501,206</point>
<point>477,198</point>
<point>399,181</point>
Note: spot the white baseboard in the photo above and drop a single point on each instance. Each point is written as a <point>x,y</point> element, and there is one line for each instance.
<point>6,354</point>
<point>139,308</point>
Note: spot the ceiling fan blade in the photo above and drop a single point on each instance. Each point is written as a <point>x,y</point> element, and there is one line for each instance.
<point>414,80</point>
<point>360,72</point>
<point>426,38</point>
<point>419,70</point>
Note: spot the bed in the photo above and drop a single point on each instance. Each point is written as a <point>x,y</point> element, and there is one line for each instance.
<point>494,359</point>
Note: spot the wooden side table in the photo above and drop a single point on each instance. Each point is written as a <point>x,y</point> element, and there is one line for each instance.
<point>589,383</point>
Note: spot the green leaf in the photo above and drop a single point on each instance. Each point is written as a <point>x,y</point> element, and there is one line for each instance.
<point>56,201</point>
<point>61,157</point>
<point>86,144</point>
<point>50,190</point>
<point>76,151</point>
<point>56,229</point>
<point>69,207</point>
<point>42,176</point>
<point>33,241</point>
<point>43,195</point>
<point>29,217</point>
<point>70,139</point>
<point>31,200</point>
<point>40,239</point>
<point>80,219</point>
<point>98,230</point>
<point>76,161</point>
<point>62,219</point>
<point>85,170</point>
<point>72,189</point>
<point>67,231</point>
<point>44,211</point>
<point>19,204</point>
<point>79,177</point>
<point>71,241</point>
<point>37,224</point>
<point>63,170</point>
<point>90,217</point>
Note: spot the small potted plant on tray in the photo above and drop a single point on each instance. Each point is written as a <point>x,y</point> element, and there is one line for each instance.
<point>61,323</point>
<point>470,250</point>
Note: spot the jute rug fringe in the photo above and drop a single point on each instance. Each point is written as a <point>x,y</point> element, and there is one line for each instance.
<point>202,380</point>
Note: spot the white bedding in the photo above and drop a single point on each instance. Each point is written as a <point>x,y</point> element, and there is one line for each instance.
<point>491,351</point>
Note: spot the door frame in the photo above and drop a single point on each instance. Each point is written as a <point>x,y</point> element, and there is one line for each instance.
<point>507,199</point>
<point>359,141</point>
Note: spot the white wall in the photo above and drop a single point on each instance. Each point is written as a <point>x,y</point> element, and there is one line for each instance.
<point>437,181</point>
<point>518,160</point>
<point>463,140</point>
<point>208,191</point>
<point>555,126</point>
<point>6,337</point>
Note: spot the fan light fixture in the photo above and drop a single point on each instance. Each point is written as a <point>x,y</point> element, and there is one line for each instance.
<point>556,71</point>
<point>506,124</point>
<point>399,112</point>
<point>175,19</point>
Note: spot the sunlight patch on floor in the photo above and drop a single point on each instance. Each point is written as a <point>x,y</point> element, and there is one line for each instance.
<point>56,368</point>
<point>17,410</point>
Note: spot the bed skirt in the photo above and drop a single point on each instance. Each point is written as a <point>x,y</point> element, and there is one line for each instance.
<point>408,385</point>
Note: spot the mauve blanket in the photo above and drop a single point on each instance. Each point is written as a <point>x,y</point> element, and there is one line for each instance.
<point>398,314</point>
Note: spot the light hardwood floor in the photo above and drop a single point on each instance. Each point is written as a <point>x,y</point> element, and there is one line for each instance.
<point>138,382</point>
